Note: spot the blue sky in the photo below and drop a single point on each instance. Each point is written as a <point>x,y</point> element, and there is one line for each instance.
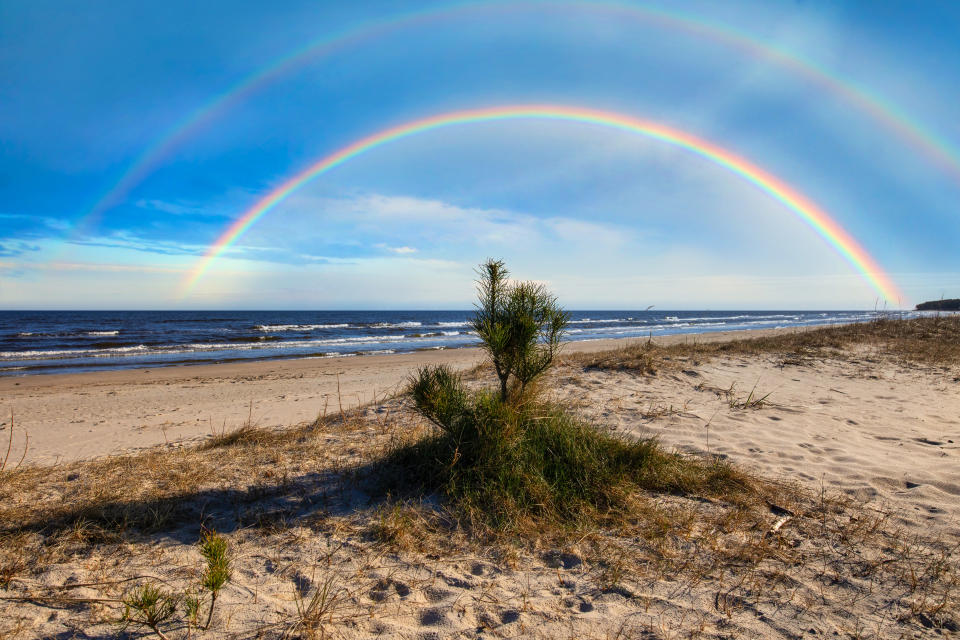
<point>608,219</point>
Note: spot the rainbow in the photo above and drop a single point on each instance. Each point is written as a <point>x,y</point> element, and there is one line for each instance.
<point>880,110</point>
<point>810,213</point>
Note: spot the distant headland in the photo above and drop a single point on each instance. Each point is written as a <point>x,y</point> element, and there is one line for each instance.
<point>940,305</point>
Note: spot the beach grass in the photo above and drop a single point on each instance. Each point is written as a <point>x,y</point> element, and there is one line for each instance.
<point>927,341</point>
<point>684,520</point>
<point>388,491</point>
<point>514,467</point>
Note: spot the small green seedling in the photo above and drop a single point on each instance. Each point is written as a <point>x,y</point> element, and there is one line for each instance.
<point>148,606</point>
<point>215,551</point>
<point>192,603</point>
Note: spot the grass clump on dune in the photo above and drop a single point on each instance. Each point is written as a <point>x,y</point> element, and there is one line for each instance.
<point>507,465</point>
<point>505,459</point>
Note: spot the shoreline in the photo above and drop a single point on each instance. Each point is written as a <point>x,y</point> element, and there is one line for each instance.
<point>78,416</point>
<point>55,345</point>
<point>588,345</point>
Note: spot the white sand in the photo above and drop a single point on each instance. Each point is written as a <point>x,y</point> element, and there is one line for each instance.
<point>880,432</point>
<point>885,434</point>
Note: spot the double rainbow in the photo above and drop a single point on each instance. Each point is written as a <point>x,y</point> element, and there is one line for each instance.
<point>802,207</point>
<point>879,109</point>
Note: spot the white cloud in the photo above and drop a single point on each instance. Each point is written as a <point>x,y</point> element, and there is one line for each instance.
<point>398,250</point>
<point>589,233</point>
<point>170,207</point>
<point>414,252</point>
<point>441,224</point>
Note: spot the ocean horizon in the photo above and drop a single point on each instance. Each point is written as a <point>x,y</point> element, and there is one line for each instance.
<point>75,341</point>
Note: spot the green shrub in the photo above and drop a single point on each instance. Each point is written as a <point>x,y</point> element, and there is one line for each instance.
<point>149,606</point>
<point>520,324</point>
<point>506,461</point>
<point>505,464</point>
<point>215,551</point>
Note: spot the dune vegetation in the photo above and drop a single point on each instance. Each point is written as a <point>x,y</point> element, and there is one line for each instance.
<point>511,461</point>
<point>480,504</point>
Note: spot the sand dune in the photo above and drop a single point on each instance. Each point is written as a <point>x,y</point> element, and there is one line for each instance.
<point>878,432</point>
<point>883,433</point>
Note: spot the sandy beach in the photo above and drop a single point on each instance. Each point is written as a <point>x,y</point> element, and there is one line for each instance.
<point>80,416</point>
<point>858,540</point>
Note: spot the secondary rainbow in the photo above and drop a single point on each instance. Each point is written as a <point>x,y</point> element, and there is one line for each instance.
<point>883,111</point>
<point>802,207</point>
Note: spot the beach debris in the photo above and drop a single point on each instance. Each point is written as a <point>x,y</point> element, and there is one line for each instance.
<point>783,516</point>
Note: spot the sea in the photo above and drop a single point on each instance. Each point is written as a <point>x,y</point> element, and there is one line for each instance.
<point>72,341</point>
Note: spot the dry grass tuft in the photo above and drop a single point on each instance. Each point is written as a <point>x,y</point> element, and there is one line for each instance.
<point>931,341</point>
<point>246,435</point>
<point>6,461</point>
<point>315,609</point>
